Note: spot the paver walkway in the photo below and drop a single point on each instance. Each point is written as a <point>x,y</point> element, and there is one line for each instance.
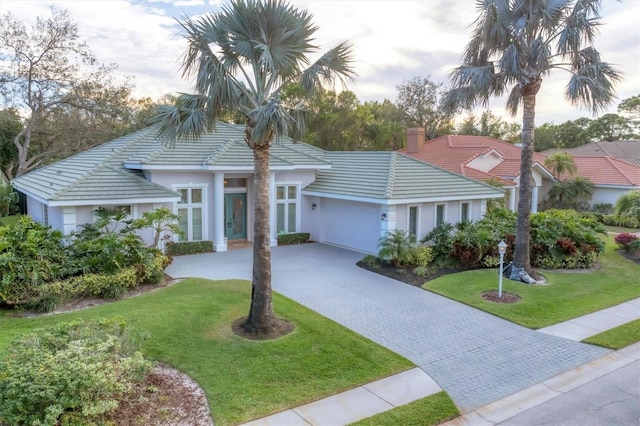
<point>475,357</point>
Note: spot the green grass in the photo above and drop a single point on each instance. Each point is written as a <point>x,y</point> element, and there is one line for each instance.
<point>9,220</point>
<point>567,295</point>
<point>619,229</point>
<point>188,326</point>
<point>619,337</point>
<point>431,410</point>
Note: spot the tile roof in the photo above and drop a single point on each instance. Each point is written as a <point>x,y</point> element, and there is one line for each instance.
<point>388,176</point>
<point>626,150</point>
<point>100,173</point>
<point>455,152</point>
<point>607,171</point>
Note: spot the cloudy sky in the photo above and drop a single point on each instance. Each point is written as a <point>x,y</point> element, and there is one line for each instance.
<point>393,41</point>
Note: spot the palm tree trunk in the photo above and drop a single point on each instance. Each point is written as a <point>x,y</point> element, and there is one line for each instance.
<point>521,257</point>
<point>261,318</point>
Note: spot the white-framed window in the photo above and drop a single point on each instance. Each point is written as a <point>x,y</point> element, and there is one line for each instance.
<point>287,208</point>
<point>191,209</point>
<point>413,220</point>
<point>465,211</point>
<point>440,216</point>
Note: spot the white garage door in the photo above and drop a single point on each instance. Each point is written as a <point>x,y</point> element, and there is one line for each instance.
<point>351,224</point>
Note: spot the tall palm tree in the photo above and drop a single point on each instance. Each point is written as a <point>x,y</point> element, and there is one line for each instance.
<point>560,162</point>
<point>515,43</point>
<point>241,58</point>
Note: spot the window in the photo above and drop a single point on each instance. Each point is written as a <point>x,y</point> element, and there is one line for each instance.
<point>413,220</point>
<point>465,212</point>
<point>190,209</point>
<point>441,214</point>
<point>287,208</point>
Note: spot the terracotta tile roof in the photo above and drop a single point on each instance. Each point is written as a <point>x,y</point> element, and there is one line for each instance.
<point>627,150</point>
<point>607,171</point>
<point>455,152</point>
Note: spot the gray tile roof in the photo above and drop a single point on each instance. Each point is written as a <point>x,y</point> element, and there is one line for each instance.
<point>388,176</point>
<point>107,173</point>
<point>625,150</point>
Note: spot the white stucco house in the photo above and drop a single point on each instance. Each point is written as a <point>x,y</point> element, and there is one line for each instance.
<point>349,199</point>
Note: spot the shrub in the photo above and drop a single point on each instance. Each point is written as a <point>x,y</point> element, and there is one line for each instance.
<point>395,246</point>
<point>295,238</point>
<point>188,247</point>
<point>420,256</point>
<point>626,241</point>
<point>441,239</point>
<point>70,373</point>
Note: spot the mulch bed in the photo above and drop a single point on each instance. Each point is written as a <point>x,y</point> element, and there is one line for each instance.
<point>406,275</point>
<point>492,296</point>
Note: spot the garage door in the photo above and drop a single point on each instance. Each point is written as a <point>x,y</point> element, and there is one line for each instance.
<point>351,224</point>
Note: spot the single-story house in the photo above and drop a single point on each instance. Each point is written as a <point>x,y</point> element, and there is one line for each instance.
<point>482,158</point>
<point>611,178</point>
<point>625,150</point>
<point>349,199</point>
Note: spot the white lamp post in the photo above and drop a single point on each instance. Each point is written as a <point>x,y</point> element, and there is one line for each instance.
<point>502,248</point>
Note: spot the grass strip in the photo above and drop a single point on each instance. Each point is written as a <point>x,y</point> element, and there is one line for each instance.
<point>432,410</point>
<point>567,295</point>
<point>618,337</point>
<point>188,326</point>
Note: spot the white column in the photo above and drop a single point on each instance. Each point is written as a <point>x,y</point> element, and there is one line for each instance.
<point>273,239</point>
<point>387,219</point>
<point>69,220</point>
<point>219,241</point>
<point>534,199</point>
<point>512,199</point>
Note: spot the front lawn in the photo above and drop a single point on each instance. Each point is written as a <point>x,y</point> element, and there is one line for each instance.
<point>432,410</point>
<point>619,337</point>
<point>188,326</point>
<point>567,294</point>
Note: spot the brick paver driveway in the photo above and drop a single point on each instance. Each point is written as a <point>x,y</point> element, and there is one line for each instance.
<point>476,357</point>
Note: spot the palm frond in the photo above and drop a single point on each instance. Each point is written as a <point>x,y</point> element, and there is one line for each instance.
<point>514,99</point>
<point>337,63</point>
<point>592,84</point>
<point>186,119</point>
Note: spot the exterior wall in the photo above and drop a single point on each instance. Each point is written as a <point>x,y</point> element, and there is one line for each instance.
<point>34,209</point>
<point>607,195</point>
<point>485,163</point>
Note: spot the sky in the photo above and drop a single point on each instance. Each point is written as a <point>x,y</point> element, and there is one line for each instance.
<point>393,41</point>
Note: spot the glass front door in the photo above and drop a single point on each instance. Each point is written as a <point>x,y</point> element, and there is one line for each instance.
<point>235,216</point>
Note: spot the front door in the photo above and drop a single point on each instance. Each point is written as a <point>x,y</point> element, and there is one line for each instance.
<point>235,216</point>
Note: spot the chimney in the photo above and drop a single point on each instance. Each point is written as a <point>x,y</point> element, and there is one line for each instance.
<point>415,140</point>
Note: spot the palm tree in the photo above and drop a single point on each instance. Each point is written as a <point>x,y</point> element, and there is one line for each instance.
<point>241,58</point>
<point>566,194</point>
<point>628,205</point>
<point>560,162</point>
<point>515,44</point>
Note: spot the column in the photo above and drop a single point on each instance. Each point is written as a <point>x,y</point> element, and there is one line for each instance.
<point>512,199</point>
<point>387,219</point>
<point>273,239</point>
<point>534,199</point>
<point>219,241</point>
<point>69,220</point>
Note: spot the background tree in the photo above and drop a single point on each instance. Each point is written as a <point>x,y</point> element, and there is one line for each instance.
<point>43,70</point>
<point>516,44</point>
<point>489,125</point>
<point>630,108</point>
<point>610,127</point>
<point>420,100</point>
<point>242,58</point>
<point>559,163</point>
<point>10,127</point>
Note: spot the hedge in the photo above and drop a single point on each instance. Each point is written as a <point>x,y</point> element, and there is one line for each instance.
<point>188,247</point>
<point>295,238</point>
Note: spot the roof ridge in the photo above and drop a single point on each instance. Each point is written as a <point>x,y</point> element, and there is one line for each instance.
<point>293,147</point>
<point>613,163</point>
<point>391,174</point>
<point>224,148</point>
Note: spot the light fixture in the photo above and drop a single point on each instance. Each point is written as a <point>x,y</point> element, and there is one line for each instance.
<point>502,249</point>
<point>383,216</point>
<point>313,206</point>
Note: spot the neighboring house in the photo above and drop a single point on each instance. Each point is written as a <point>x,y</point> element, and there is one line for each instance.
<point>610,177</point>
<point>628,151</point>
<point>349,199</point>
<point>481,158</point>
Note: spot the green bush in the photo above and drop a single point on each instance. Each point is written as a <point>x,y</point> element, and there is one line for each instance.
<point>395,247</point>
<point>441,239</point>
<point>188,247</point>
<point>295,238</point>
<point>69,374</point>
<point>420,256</point>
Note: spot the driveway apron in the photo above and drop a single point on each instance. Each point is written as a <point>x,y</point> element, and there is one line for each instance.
<point>475,357</point>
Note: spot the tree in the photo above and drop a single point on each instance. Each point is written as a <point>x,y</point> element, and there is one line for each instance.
<point>567,194</point>
<point>10,126</point>
<point>491,126</point>
<point>631,107</point>
<point>610,127</point>
<point>420,101</point>
<point>241,59</point>
<point>517,43</point>
<point>44,69</point>
<point>628,206</point>
<point>396,246</point>
<point>560,162</point>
